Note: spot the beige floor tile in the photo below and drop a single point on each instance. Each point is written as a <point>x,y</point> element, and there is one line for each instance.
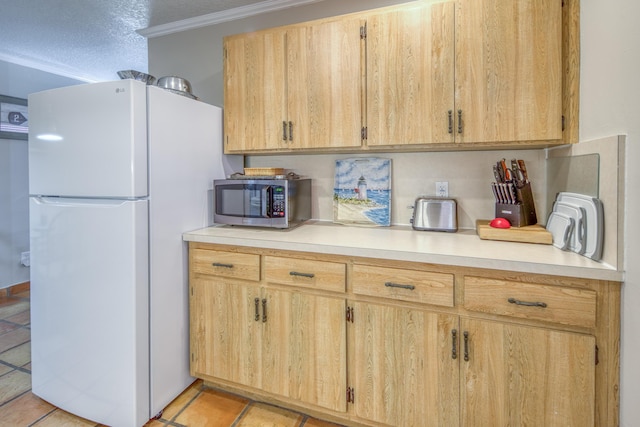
<point>24,411</point>
<point>60,418</point>
<point>6,327</point>
<point>14,339</point>
<point>4,369</point>
<point>18,356</point>
<point>212,409</point>
<point>262,415</point>
<point>181,401</point>
<point>10,307</point>
<point>13,384</point>
<point>22,318</point>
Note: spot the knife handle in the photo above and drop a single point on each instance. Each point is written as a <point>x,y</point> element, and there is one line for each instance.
<point>523,169</point>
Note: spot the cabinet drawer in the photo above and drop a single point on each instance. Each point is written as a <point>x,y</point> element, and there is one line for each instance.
<point>226,264</point>
<point>330,276</point>
<point>569,306</point>
<point>407,285</point>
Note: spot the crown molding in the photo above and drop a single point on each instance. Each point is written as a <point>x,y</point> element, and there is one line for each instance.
<point>219,17</point>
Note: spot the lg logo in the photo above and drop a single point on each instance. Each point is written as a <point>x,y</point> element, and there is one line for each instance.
<point>120,90</point>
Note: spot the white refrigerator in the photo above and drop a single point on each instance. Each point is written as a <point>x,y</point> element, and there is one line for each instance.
<point>117,172</point>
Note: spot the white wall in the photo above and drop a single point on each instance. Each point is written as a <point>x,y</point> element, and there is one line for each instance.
<point>609,105</point>
<point>19,82</point>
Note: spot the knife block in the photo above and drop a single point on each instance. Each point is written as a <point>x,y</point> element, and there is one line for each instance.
<point>522,213</point>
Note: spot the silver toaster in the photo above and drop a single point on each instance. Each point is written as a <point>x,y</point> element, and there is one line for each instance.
<point>435,214</point>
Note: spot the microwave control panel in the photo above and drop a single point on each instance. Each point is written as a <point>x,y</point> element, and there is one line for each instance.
<point>278,201</point>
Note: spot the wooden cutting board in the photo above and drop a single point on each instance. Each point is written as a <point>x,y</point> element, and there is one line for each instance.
<point>528,234</point>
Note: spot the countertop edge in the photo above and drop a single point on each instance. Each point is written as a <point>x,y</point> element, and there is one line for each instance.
<point>401,244</point>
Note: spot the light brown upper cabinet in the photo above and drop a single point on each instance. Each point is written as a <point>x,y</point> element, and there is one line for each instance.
<point>410,80</point>
<point>508,71</point>
<point>422,75</point>
<point>294,87</point>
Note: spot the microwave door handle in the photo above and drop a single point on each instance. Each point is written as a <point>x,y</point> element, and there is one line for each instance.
<point>266,192</point>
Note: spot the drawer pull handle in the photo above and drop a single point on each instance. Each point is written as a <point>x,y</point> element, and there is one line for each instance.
<point>527,303</point>
<point>264,310</point>
<point>466,346</point>
<point>397,285</point>
<point>295,273</point>
<point>454,344</point>
<point>219,264</point>
<point>257,303</point>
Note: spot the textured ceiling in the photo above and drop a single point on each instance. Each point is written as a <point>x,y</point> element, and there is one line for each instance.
<point>91,40</point>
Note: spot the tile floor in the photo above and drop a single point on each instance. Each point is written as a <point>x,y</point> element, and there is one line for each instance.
<point>198,406</point>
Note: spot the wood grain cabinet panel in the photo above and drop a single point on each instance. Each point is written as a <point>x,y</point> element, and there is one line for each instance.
<point>410,80</point>
<point>404,371</point>
<point>518,375</point>
<point>226,264</point>
<point>328,276</point>
<point>558,304</point>
<point>403,284</point>
<point>508,70</point>
<point>295,87</point>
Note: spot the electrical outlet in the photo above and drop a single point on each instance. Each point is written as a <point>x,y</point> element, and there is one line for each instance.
<point>25,258</point>
<point>442,188</point>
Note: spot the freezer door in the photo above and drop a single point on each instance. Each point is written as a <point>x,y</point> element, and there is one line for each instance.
<point>89,308</point>
<point>89,140</point>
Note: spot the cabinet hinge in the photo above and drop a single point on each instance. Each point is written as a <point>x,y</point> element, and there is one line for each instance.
<point>363,133</point>
<point>363,31</point>
<point>350,316</point>
<point>563,122</point>
<point>597,351</point>
<point>350,395</point>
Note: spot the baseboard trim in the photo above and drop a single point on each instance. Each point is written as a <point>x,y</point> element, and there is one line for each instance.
<point>15,289</point>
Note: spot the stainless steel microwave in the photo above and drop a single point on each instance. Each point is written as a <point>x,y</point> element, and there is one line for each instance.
<point>275,203</point>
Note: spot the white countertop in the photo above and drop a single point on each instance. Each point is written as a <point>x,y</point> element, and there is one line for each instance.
<point>463,248</point>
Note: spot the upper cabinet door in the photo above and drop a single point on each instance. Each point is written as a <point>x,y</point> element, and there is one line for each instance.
<point>324,75</point>
<point>509,70</point>
<point>410,80</point>
<point>254,91</point>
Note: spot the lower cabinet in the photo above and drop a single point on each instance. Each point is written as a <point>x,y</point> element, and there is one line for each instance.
<point>526,376</point>
<point>404,368</point>
<point>286,342</point>
<point>382,343</point>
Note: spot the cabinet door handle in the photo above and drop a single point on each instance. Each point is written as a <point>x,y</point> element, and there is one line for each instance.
<point>450,115</point>
<point>466,346</point>
<point>264,310</point>
<point>527,303</point>
<point>459,121</point>
<point>219,264</point>
<point>398,285</point>
<point>284,130</point>
<point>290,131</point>
<point>257,303</point>
<point>454,344</point>
<point>296,273</point>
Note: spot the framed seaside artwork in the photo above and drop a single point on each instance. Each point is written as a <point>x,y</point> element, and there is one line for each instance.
<point>362,192</point>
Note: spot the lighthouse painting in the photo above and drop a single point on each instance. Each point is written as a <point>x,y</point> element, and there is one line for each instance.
<point>362,192</point>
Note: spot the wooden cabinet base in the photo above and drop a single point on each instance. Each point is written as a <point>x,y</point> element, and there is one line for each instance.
<point>373,342</point>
